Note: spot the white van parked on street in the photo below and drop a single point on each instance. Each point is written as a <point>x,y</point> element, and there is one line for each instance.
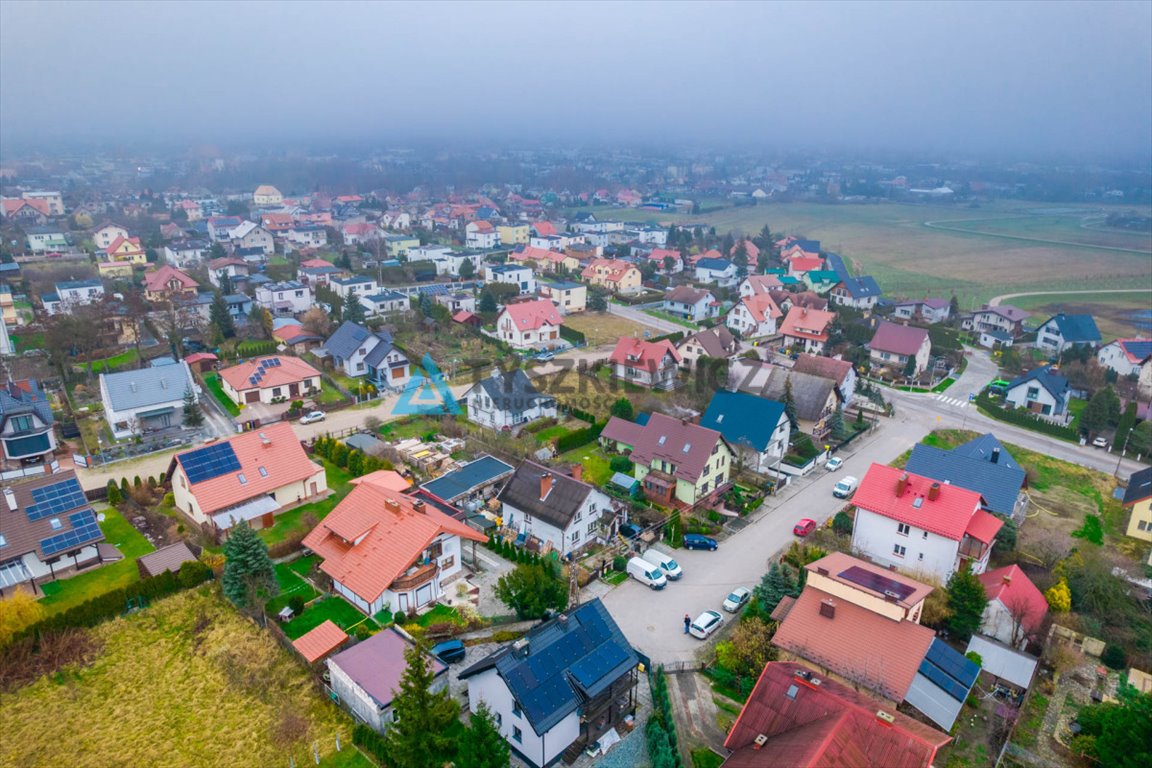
<point>646,573</point>
<point>665,563</point>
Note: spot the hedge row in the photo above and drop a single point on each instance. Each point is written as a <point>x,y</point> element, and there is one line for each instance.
<point>576,413</point>
<point>675,337</point>
<point>1024,419</point>
<point>573,335</point>
<point>578,437</point>
<point>663,748</point>
<point>118,601</point>
<point>371,742</point>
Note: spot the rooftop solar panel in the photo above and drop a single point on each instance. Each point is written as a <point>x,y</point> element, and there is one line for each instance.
<point>952,663</point>
<point>945,683</point>
<point>209,462</point>
<point>56,498</point>
<point>85,530</point>
<point>877,582</point>
<point>592,668</point>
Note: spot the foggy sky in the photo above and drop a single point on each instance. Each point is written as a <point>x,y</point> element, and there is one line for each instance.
<point>971,77</point>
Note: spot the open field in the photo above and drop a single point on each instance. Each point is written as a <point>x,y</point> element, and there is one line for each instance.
<point>1117,314</point>
<point>186,682</point>
<point>603,328</point>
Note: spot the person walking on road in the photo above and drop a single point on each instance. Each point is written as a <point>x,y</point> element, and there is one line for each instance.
<point>687,623</point>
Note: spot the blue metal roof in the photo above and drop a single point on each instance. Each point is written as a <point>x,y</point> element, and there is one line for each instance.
<point>1055,383</point>
<point>743,419</point>
<point>717,264</point>
<point>998,483</point>
<point>474,474</point>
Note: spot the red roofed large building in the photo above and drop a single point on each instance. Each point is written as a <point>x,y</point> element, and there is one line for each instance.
<point>530,325</point>
<point>269,379</point>
<point>678,463</point>
<point>168,282</point>
<point>1016,607</point>
<point>807,329</point>
<point>916,523</point>
<point>651,364</point>
<point>754,317</point>
<point>384,550</point>
<point>614,275</point>
<point>893,345</point>
<point>828,725</point>
<point>253,476</point>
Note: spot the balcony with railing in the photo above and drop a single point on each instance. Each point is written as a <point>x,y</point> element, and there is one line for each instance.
<point>415,577</point>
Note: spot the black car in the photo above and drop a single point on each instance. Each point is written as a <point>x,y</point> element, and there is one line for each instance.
<point>449,651</point>
<point>630,531</point>
<point>698,541</point>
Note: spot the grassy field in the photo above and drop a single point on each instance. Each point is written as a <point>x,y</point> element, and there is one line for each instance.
<point>113,363</point>
<point>1116,313</point>
<point>186,682</point>
<point>602,329</point>
<point>339,482</point>
<point>26,341</point>
<point>213,385</point>
<point>63,594</point>
<point>335,608</point>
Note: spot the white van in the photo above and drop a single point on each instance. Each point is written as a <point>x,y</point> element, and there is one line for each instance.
<point>646,573</point>
<point>665,562</point>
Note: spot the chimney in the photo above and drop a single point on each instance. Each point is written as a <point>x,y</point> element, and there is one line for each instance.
<point>902,484</point>
<point>759,741</point>
<point>933,491</point>
<point>392,504</point>
<point>885,717</point>
<point>1007,578</point>
<point>828,609</point>
<point>10,497</point>
<point>495,373</point>
<point>265,440</point>
<point>995,456</point>
<point>418,505</point>
<point>578,472</point>
<point>546,481</point>
<point>163,383</point>
<point>132,386</point>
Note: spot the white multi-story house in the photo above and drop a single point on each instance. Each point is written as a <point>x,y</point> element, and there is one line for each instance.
<point>925,310</point>
<point>357,285</point>
<point>451,263</point>
<point>754,317</point>
<point>360,352</point>
<point>918,524</point>
<point>428,252</point>
<point>481,234</point>
<point>507,400</point>
<point>287,298</point>
<point>694,304</point>
<point>652,364</point>
<point>72,293</point>
<point>562,513</point>
<point>184,253</point>
<point>108,234</point>
<point>145,400</point>
<point>251,235</point>
<point>1062,331</point>
<point>757,428</point>
<point>530,325</point>
<point>719,271</point>
<point>894,345</point>
<point>307,235</point>
<point>26,420</point>
<point>1042,391</point>
<point>518,275</point>
<point>385,302</point>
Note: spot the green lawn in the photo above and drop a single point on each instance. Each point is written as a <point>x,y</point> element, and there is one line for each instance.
<point>550,434</point>
<point>671,318</point>
<point>291,585</point>
<point>26,341</point>
<point>412,426</point>
<point>335,608</point>
<point>706,758</point>
<point>212,383</point>
<point>118,532</point>
<point>1076,406</point>
<point>126,357</point>
<point>439,614</point>
<point>340,483</point>
<point>329,394</point>
<point>348,757</point>
<point>596,469</point>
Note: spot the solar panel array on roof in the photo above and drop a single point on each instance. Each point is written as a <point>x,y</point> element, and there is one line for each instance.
<point>590,670</point>
<point>84,530</point>
<point>209,462</point>
<point>56,498</point>
<point>877,582</point>
<point>949,671</point>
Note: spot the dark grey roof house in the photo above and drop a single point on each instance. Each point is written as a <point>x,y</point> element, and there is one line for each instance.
<point>1001,484</point>
<point>25,424</point>
<point>563,513</point>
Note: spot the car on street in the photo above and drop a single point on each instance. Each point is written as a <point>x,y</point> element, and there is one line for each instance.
<point>833,463</point>
<point>738,599</point>
<point>312,417</point>
<point>1100,442</point>
<point>699,541</point>
<point>845,487</point>
<point>705,624</point>
<point>449,651</point>
<point>545,356</point>
<point>804,527</point>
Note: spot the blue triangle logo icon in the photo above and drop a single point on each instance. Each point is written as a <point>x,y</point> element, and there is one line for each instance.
<point>427,394</point>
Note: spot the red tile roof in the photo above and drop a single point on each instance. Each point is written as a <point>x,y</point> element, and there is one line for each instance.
<point>750,248</point>
<point>320,641</point>
<point>659,254</point>
<point>763,283</point>
<point>898,339</point>
<point>984,526</point>
<point>805,323</point>
<point>119,241</point>
<point>948,515</point>
<point>393,532</point>
<point>638,353</point>
<point>291,370</point>
<point>481,226</point>
<point>386,480</point>
<point>805,264</point>
<point>824,367</point>
<point>282,458</point>
<point>531,315</point>
<point>1012,587</point>
<point>829,726</point>
<point>761,307</point>
<point>157,281</point>
<point>315,264</point>
<point>685,445</point>
<point>612,270</point>
<point>886,666</point>
<point>197,357</point>
<point>532,253</point>
<point>544,228</point>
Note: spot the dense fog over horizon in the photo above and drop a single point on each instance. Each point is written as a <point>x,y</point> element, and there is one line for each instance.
<point>1062,79</point>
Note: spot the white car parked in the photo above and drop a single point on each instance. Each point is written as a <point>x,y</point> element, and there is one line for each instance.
<point>312,417</point>
<point>705,624</point>
<point>833,463</point>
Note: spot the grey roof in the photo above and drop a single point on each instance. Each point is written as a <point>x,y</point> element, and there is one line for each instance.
<point>1139,486</point>
<point>997,483</point>
<point>65,285</point>
<point>387,296</point>
<point>809,392</point>
<point>150,386</point>
<point>354,280</point>
<point>743,419</point>
<point>349,336</point>
<point>168,558</point>
<point>468,477</point>
<point>984,447</point>
<point>1055,383</point>
<point>363,442</point>
<point>560,664</point>
<point>15,401</point>
<point>511,391</point>
<point>377,354</point>
<point>717,341</point>
<point>558,507</point>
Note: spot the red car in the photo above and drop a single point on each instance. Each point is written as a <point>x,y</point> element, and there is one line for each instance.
<point>804,527</point>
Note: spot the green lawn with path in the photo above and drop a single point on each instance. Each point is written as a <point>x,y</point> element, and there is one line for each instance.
<point>113,363</point>
<point>596,468</point>
<point>213,385</point>
<point>65,593</point>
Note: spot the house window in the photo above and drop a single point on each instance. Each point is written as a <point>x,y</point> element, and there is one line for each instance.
<point>499,720</point>
<point>579,517</point>
<point>517,735</point>
<point>924,535</point>
<point>448,562</point>
<point>263,472</point>
<point>276,392</point>
<point>1033,393</point>
<point>899,550</point>
<point>1143,526</point>
<point>21,423</point>
<point>575,537</point>
<point>792,691</point>
<point>902,529</point>
<point>516,710</point>
<point>243,480</point>
<point>56,524</point>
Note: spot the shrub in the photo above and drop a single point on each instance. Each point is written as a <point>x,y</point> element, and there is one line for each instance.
<point>1114,657</point>
<point>1024,419</point>
<point>192,573</point>
<point>622,464</point>
<point>578,437</point>
<point>400,618</point>
<point>296,603</point>
<point>620,563</point>
<point>842,524</point>
<point>169,500</point>
<point>114,496</point>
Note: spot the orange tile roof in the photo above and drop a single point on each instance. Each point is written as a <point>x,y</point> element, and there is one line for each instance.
<point>805,323</point>
<point>320,641</point>
<point>530,315</point>
<point>761,307</point>
<point>608,269</point>
<point>763,283</point>
<point>544,228</point>
<point>282,458</point>
<point>119,241</point>
<point>291,370</point>
<point>159,279</point>
<point>646,355</point>
<point>385,480</point>
<point>805,264</point>
<point>393,532</point>
<point>949,515</point>
<point>881,654</point>
<point>984,526</point>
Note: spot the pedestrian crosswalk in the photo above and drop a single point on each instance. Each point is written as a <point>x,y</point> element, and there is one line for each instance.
<point>955,402</point>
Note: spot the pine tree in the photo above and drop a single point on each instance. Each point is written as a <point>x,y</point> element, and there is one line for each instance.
<point>219,316</point>
<point>249,577</point>
<point>778,583</point>
<point>740,259</point>
<point>487,302</point>
<point>419,738</point>
<point>352,310</point>
<point>967,598</point>
<point>836,423</point>
<point>193,417</point>
<point>481,745</point>
<point>467,269</point>
<point>1127,421</point>
<point>425,304</point>
<point>790,404</point>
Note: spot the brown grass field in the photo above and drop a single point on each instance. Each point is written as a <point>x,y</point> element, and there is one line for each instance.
<point>1114,312</point>
<point>603,328</point>
<point>186,682</point>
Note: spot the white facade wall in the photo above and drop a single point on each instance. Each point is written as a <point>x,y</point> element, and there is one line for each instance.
<point>584,528</point>
<point>740,320</point>
<point>385,306</point>
<point>1019,396</point>
<point>997,623</point>
<point>290,493</point>
<point>268,394</point>
<point>298,299</point>
<point>876,536</point>
<point>494,417</point>
<point>366,288</point>
<point>489,688</point>
<point>1111,356</point>
<point>523,278</point>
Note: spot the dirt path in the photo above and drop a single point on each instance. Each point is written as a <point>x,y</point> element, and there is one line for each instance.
<point>995,301</point>
<point>695,712</point>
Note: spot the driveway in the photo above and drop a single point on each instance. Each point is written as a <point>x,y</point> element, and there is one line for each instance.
<point>641,317</point>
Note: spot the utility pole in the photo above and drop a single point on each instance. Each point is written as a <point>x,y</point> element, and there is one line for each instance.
<point>573,585</point>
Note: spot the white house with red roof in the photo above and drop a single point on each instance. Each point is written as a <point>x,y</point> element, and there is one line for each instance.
<point>755,284</point>
<point>253,476</point>
<point>1016,607</point>
<point>918,524</point>
<point>269,380</point>
<point>385,550</point>
<point>893,345</point>
<point>807,329</point>
<point>1129,357</point>
<point>754,317</point>
<point>667,260</point>
<point>530,325</point>
<point>651,364</point>
<point>481,234</point>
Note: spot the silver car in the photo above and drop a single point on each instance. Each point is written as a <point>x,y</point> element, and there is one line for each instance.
<point>705,624</point>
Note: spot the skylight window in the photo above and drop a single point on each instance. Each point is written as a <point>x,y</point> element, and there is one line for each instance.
<point>263,472</point>
<point>663,439</point>
<point>56,524</point>
<point>243,480</point>
<point>918,502</point>
<point>687,447</point>
<point>3,541</point>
